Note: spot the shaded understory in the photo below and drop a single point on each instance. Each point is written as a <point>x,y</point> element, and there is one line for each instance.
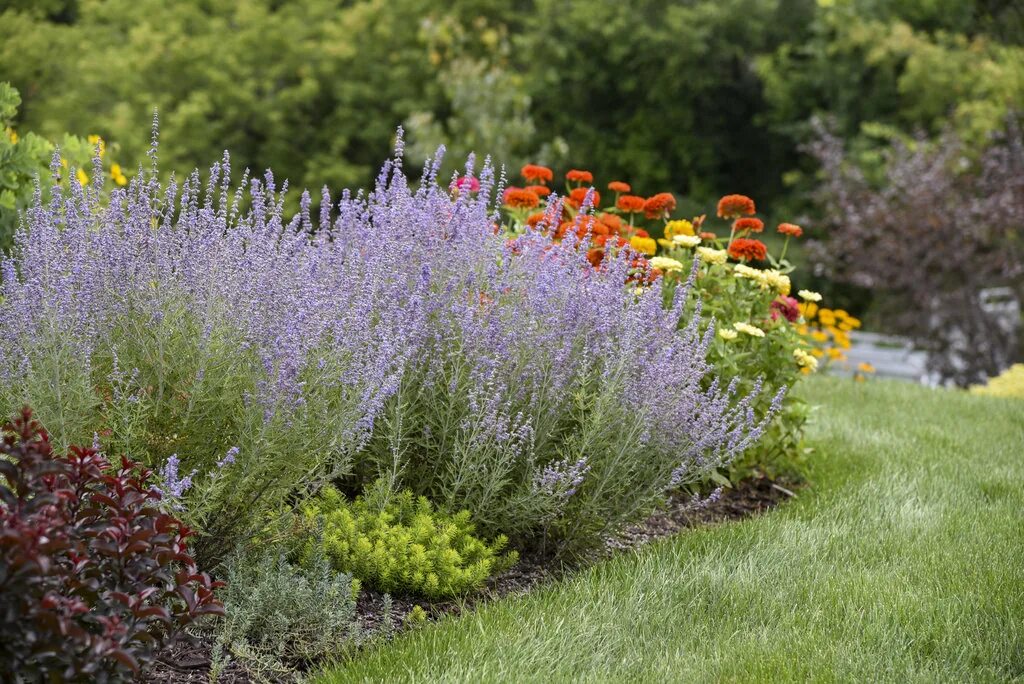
<point>903,561</point>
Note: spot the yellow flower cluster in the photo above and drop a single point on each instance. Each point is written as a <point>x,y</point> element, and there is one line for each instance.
<point>808,362</point>
<point>828,329</point>
<point>715,257</point>
<point>751,330</point>
<point>115,173</point>
<point>666,264</point>
<point>1008,384</point>
<point>768,279</point>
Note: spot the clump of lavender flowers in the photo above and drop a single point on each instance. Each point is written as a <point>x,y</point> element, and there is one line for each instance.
<point>395,336</point>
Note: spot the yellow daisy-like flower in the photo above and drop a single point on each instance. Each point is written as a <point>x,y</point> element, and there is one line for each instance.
<point>819,336</point>
<point>678,227</point>
<point>83,177</point>
<point>744,271</point>
<point>685,240</point>
<point>809,296</point>
<point>727,334</point>
<point>644,245</point>
<point>865,367</point>
<point>835,354</point>
<point>12,136</point>
<point>666,264</point>
<point>751,330</point>
<point>715,257</point>
<point>95,140</point>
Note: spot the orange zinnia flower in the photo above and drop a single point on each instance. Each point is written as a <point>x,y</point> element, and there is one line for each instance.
<point>631,204</point>
<point>619,186</point>
<point>754,225</point>
<point>539,190</point>
<point>533,219</point>
<point>595,256</point>
<point>577,195</point>
<point>734,206</point>
<point>791,229</point>
<point>577,176</point>
<point>535,173</point>
<point>708,236</point>
<point>640,232</point>
<point>520,198</point>
<point>613,222</point>
<point>743,248</point>
<point>660,205</point>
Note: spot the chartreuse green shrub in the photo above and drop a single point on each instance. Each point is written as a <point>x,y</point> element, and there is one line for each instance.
<point>400,544</point>
<point>1010,383</point>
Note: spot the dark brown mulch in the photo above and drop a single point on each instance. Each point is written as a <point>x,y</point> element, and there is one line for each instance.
<point>188,664</point>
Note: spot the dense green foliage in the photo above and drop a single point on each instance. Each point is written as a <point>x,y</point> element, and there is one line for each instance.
<point>852,581</point>
<point>400,544</point>
<point>729,83</point>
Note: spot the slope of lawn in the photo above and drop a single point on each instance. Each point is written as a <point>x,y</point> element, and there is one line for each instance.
<point>904,561</point>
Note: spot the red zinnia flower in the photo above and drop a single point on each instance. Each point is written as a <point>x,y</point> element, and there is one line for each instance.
<point>660,205</point>
<point>708,236</point>
<point>791,229</point>
<point>539,190</point>
<point>786,306</point>
<point>595,256</point>
<point>640,232</point>
<point>520,198</point>
<point>577,176</point>
<point>631,204</point>
<point>743,248</point>
<point>577,195</point>
<point>535,173</point>
<point>734,206</point>
<point>754,225</point>
<point>619,186</point>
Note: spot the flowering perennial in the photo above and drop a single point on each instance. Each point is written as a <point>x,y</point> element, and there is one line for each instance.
<point>395,334</point>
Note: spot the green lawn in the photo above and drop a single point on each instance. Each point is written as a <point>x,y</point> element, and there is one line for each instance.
<point>904,561</point>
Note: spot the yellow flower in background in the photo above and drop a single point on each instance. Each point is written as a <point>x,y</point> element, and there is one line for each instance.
<point>678,227</point>
<point>809,296</point>
<point>95,140</point>
<point>727,334</point>
<point>819,336</point>
<point>115,173</point>
<point>805,360</point>
<point>835,354</point>
<point>808,310</point>
<point>751,330</point>
<point>12,136</point>
<point>685,240</point>
<point>817,353</point>
<point>715,257</point>
<point>83,177</point>
<point>64,162</point>
<point>644,245</point>
<point>865,367</point>
<point>826,317</point>
<point>666,264</point>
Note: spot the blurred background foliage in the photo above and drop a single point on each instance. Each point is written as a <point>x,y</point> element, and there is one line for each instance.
<point>698,97</point>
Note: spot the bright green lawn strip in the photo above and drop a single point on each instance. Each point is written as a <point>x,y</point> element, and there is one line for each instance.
<point>904,561</point>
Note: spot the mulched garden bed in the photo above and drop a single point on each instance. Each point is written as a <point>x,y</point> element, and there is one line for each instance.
<point>190,663</point>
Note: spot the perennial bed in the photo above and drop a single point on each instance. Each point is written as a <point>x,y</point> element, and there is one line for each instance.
<point>190,663</point>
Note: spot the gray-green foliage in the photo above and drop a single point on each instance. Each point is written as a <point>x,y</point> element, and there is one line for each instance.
<point>280,617</point>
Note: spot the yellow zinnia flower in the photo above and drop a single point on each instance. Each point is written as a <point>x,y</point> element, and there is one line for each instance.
<point>666,264</point>
<point>644,245</point>
<point>685,240</point>
<point>751,330</point>
<point>727,334</point>
<point>712,256</point>
<point>678,227</point>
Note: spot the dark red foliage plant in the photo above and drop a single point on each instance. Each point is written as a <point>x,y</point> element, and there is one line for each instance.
<point>94,577</point>
<point>937,235</point>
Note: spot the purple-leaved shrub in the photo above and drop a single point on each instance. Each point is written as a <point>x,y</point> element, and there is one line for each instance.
<point>395,337</point>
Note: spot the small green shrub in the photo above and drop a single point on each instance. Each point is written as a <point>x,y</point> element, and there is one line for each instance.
<point>399,544</point>
<point>1010,383</point>
<point>281,617</point>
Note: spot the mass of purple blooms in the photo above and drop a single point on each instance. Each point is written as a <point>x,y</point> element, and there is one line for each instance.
<point>395,331</point>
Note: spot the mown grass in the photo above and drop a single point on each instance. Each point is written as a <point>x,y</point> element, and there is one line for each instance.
<point>904,561</point>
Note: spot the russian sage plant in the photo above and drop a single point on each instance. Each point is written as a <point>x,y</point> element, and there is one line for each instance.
<point>252,359</point>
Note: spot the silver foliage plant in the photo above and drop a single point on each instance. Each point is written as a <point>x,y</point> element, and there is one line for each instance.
<point>397,337</point>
